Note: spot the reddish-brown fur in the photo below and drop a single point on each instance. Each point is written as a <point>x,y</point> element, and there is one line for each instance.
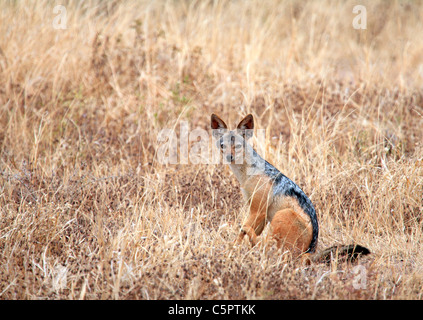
<point>291,231</point>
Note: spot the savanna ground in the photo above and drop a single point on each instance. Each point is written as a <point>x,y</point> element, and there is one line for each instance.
<point>89,212</point>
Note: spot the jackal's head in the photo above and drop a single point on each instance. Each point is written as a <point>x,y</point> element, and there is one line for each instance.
<point>233,144</point>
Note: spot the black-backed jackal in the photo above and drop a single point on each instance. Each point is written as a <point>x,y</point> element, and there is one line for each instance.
<point>272,197</point>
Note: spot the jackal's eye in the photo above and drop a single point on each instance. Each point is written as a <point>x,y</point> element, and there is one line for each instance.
<point>222,146</point>
<point>238,146</point>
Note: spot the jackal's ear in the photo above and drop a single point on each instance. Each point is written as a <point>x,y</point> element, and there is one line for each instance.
<point>246,127</point>
<point>218,125</point>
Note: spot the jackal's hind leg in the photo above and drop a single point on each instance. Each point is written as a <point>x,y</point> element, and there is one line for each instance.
<point>291,231</point>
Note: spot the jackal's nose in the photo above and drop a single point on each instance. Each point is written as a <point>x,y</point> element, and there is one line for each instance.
<point>229,158</point>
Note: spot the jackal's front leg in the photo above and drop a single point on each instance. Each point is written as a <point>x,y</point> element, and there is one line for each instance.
<point>253,227</point>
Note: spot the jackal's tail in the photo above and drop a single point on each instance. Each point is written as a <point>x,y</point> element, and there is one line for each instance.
<point>348,252</point>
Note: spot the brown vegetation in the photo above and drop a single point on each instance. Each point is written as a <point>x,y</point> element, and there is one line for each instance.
<point>88,212</point>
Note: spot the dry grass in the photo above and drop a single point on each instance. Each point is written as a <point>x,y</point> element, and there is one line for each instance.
<point>87,211</point>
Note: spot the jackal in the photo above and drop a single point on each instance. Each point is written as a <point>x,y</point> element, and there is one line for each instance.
<point>272,197</point>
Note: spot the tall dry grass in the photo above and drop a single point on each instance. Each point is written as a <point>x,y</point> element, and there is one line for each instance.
<point>88,212</point>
